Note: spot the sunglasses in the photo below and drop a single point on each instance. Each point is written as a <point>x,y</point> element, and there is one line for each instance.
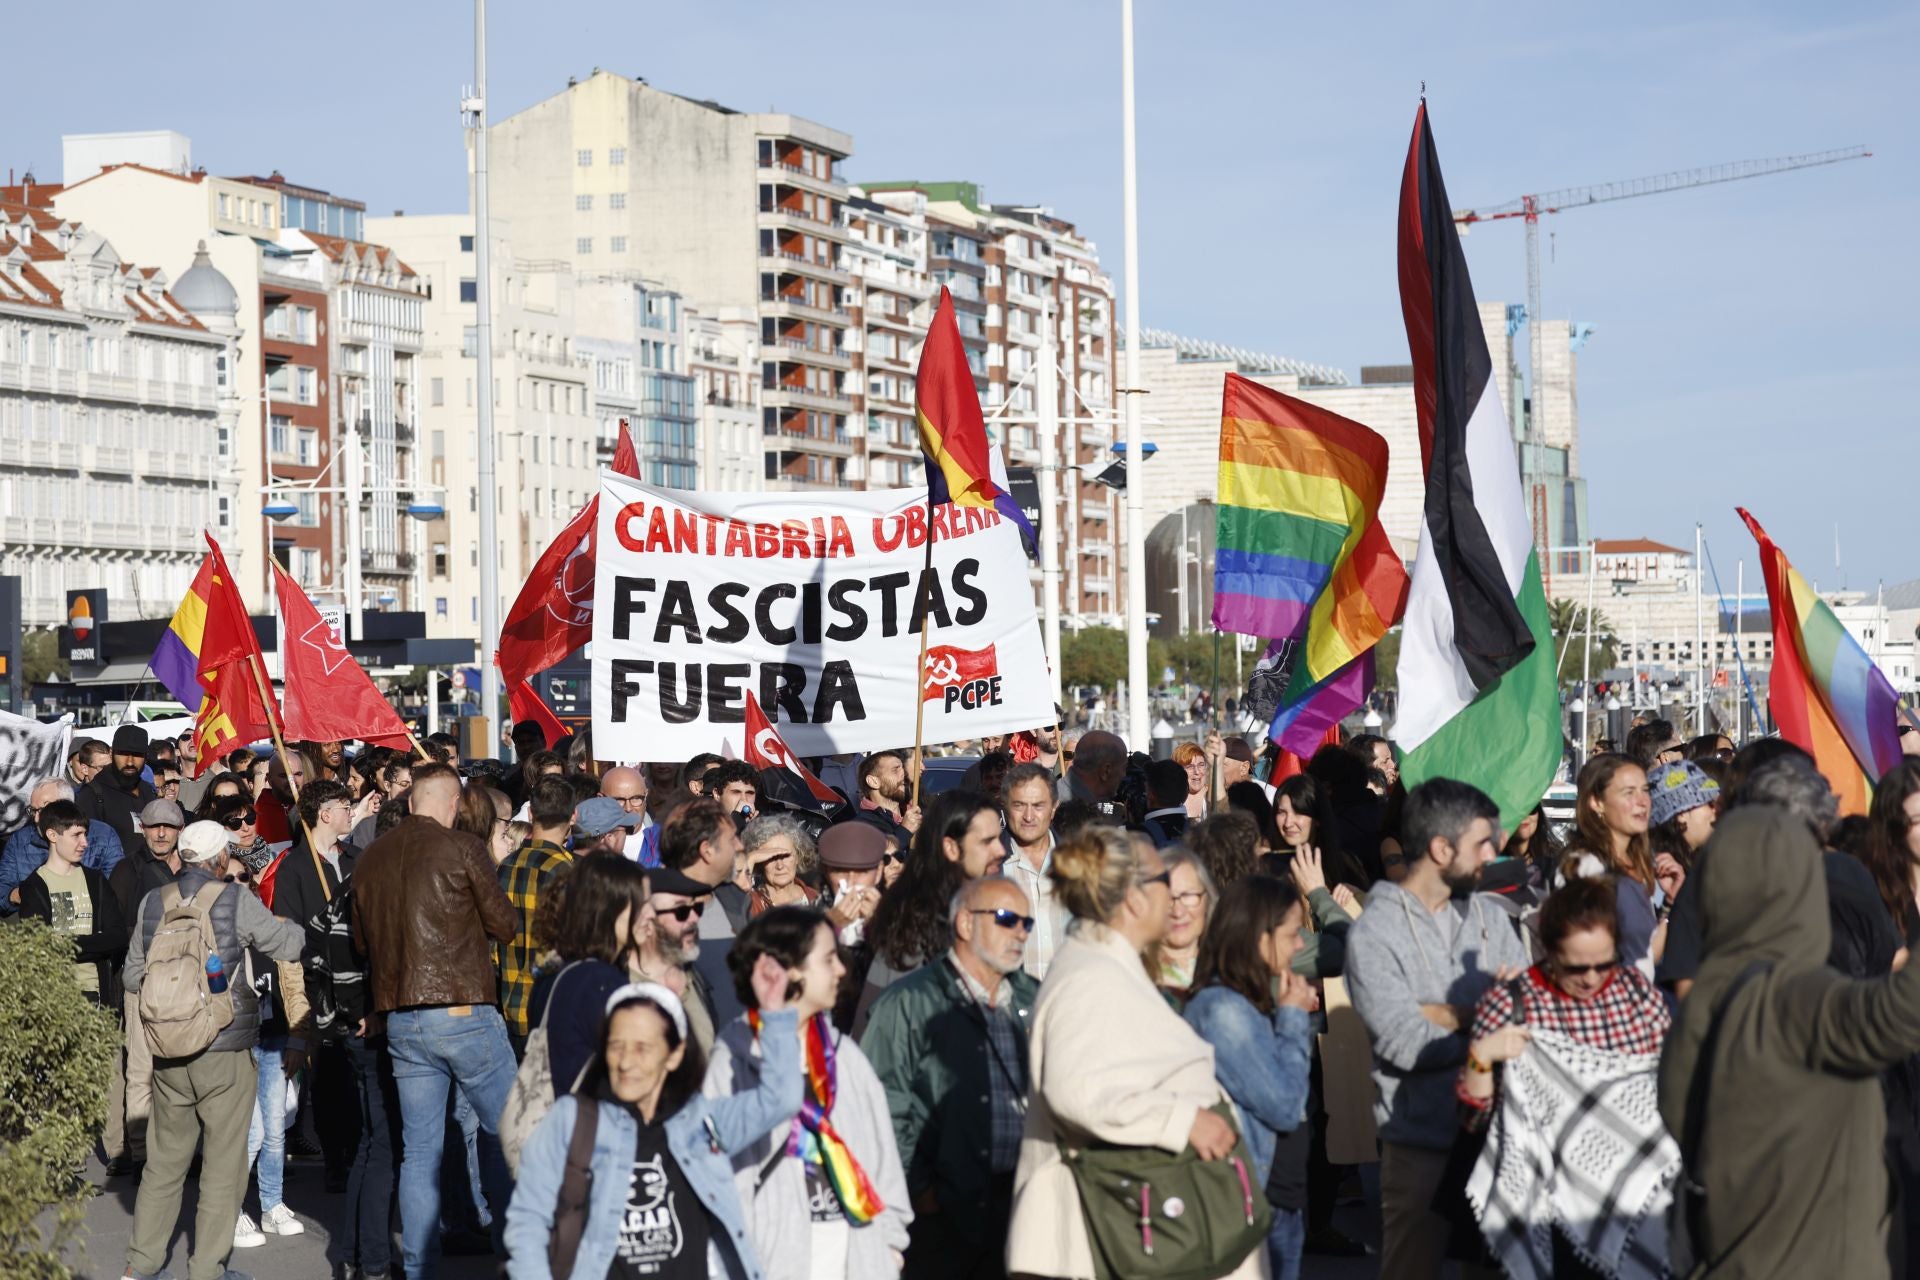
<point>892,858</point>
<point>683,912</point>
<point>235,821</point>
<point>1165,878</point>
<point>1005,917</point>
<point>1582,970</point>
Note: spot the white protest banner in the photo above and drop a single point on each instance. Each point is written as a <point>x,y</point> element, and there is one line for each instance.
<point>808,601</point>
<point>29,751</point>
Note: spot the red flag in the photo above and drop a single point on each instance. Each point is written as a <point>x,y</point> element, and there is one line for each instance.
<point>524,703</point>
<point>327,697</point>
<point>553,614</point>
<point>233,714</point>
<point>765,749</point>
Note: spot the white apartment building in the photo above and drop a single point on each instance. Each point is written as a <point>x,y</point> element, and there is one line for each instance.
<point>116,419</point>
<point>740,212</point>
<point>892,292</point>
<point>724,358</point>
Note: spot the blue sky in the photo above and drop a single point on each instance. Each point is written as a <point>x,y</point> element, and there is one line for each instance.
<point>1750,337</point>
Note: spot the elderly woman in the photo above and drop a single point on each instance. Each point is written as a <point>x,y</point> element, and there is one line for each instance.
<point>1151,1087</point>
<point>1193,896</point>
<point>779,854</point>
<point>1193,758</point>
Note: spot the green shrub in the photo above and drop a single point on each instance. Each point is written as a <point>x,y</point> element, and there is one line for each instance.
<point>56,1066</point>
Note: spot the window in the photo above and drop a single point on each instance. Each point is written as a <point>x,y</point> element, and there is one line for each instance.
<point>223,508</point>
<point>280,436</point>
<point>466,246</point>
<point>306,448</point>
<point>469,291</point>
<point>306,566</point>
<point>583,204</point>
<point>618,155</point>
<point>440,566</point>
<point>583,245</point>
<point>223,204</point>
<point>619,244</point>
<point>439,391</point>
<point>584,158</point>
<point>306,387</point>
<point>618,200</point>
<point>440,606</point>
<point>309,517</point>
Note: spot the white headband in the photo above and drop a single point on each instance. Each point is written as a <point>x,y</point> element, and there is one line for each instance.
<point>660,997</point>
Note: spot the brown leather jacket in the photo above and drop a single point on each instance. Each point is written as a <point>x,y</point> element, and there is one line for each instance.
<point>425,902</point>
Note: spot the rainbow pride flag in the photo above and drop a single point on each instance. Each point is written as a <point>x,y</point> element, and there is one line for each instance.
<point>1300,552</point>
<point>176,662</point>
<point>1827,696</point>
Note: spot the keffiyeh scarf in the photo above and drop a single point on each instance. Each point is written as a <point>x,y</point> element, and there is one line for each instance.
<point>1576,1144</point>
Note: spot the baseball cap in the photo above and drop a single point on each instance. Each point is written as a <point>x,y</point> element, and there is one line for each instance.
<point>162,813</point>
<point>203,842</point>
<point>597,815</point>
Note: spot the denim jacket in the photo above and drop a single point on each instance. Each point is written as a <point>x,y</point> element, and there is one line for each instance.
<point>702,1135</point>
<point>1261,1062</point>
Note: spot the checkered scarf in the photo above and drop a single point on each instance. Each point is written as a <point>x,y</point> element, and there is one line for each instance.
<point>1576,1144</point>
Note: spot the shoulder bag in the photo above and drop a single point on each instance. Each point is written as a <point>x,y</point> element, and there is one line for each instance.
<point>1155,1216</point>
<point>576,1189</point>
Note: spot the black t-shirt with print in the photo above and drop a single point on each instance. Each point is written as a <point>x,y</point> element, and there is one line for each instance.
<point>663,1233</point>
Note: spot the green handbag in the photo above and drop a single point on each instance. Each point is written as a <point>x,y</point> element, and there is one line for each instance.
<point>1155,1216</point>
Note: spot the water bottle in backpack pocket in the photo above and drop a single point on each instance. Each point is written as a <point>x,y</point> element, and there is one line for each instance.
<point>184,1000</point>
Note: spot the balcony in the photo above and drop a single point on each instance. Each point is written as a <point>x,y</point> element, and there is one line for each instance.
<point>799,264</point>
<point>118,461</point>
<point>792,350</point>
<point>110,386</point>
<point>901,321</point>
<point>791,220</point>
<point>792,175</point>
<point>805,398</point>
<point>891,363</point>
<point>404,434</point>
<point>793,309</point>
<point>839,445</point>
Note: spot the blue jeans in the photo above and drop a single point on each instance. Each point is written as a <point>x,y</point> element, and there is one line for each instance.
<point>267,1134</point>
<point>433,1051</point>
<point>366,1235</point>
<point>1284,1241</point>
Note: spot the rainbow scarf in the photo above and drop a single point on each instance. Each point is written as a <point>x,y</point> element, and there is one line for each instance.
<point>813,1138</point>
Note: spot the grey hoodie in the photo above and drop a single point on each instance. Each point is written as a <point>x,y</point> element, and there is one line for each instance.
<point>1398,958</point>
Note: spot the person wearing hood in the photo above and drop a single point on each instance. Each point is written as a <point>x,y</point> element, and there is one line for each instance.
<point>1780,1190</point>
<point>1418,960</point>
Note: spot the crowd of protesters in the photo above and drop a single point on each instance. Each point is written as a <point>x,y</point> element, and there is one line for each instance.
<point>653,1019</point>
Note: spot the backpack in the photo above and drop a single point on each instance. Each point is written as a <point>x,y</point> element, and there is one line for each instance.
<point>181,1015</point>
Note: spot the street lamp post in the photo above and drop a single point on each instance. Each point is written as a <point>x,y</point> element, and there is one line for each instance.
<point>1137,700</point>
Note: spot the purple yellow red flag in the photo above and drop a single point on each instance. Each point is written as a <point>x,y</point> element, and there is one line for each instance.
<point>961,465</point>
<point>229,667</point>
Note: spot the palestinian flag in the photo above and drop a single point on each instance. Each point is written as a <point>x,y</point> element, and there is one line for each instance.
<point>1479,700</point>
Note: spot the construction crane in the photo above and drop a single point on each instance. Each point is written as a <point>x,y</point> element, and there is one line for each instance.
<point>1534,206</point>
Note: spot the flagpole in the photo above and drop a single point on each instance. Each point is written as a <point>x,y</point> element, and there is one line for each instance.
<point>1138,710</point>
<point>920,672</point>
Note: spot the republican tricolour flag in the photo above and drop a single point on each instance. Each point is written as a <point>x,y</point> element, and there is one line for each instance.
<point>1301,553</point>
<point>1827,695</point>
<point>1479,700</point>
<point>962,467</point>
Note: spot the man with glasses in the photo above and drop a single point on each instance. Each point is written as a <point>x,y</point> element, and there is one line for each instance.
<point>671,955</point>
<point>26,849</point>
<point>949,1043</point>
<point>88,759</point>
<point>627,787</point>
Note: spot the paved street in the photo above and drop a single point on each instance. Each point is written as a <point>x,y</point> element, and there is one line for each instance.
<point>101,1253</point>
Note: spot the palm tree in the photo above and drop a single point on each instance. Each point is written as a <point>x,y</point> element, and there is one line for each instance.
<point>1569,623</point>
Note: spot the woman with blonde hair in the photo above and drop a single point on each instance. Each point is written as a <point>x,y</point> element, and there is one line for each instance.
<point>1111,1064</point>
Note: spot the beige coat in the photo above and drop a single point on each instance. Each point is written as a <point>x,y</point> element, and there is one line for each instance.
<point>1111,1061</point>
